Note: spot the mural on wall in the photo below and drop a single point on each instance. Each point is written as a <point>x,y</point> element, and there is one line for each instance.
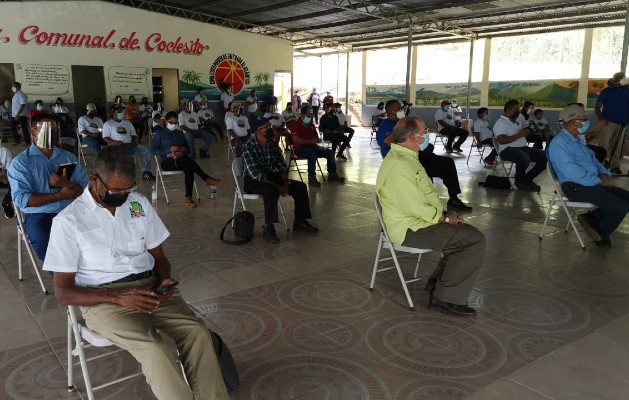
<point>431,94</point>
<point>226,69</point>
<point>544,93</point>
<point>594,89</point>
<point>377,93</point>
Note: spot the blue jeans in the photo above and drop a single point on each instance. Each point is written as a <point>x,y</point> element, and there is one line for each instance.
<point>312,153</point>
<point>522,157</point>
<point>142,151</point>
<point>95,143</point>
<point>612,203</point>
<point>203,135</point>
<point>37,228</point>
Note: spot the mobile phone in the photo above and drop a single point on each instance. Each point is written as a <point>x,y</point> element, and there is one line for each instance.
<point>69,167</point>
<point>167,289</point>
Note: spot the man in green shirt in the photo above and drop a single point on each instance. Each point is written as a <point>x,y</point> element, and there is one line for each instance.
<point>415,217</point>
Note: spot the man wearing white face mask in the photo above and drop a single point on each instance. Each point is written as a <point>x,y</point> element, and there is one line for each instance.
<point>583,178</point>
<point>189,124</point>
<point>119,131</point>
<point>436,166</point>
<point>36,187</point>
<point>415,217</point>
<point>90,128</point>
<point>446,126</point>
<point>19,113</point>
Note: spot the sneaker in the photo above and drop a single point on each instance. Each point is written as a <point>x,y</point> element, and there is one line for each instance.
<point>203,154</point>
<point>9,212</point>
<point>334,177</point>
<point>457,149</point>
<point>341,156</point>
<point>590,225</point>
<point>312,181</point>
<point>268,233</point>
<point>147,175</point>
<point>449,149</point>
<point>489,161</point>
<point>304,225</point>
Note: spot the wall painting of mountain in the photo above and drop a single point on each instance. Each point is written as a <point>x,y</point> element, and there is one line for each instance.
<point>378,93</point>
<point>545,94</point>
<point>430,95</point>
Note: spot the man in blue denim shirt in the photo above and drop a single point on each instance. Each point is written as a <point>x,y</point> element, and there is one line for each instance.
<point>36,188</point>
<point>583,178</point>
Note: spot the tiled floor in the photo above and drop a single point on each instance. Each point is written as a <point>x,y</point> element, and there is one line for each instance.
<point>301,322</point>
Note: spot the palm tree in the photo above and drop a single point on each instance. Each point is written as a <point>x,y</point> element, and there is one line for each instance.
<point>191,77</point>
<point>265,77</point>
<point>259,77</point>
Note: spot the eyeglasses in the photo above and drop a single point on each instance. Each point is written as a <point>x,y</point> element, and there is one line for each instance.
<point>114,192</point>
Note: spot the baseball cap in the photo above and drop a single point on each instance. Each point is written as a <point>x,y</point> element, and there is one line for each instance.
<point>618,76</point>
<point>571,112</point>
<point>445,102</point>
<point>91,107</point>
<point>116,107</point>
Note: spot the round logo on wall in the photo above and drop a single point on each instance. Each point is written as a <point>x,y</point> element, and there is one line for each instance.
<point>232,69</point>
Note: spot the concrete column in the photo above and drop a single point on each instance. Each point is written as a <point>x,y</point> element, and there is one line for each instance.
<point>412,96</point>
<point>484,86</point>
<point>582,93</point>
<point>364,88</point>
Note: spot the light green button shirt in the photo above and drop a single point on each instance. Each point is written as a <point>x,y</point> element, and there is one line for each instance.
<point>406,193</point>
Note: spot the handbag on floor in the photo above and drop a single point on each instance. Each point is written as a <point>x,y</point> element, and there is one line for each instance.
<point>496,182</point>
<point>225,362</point>
<point>244,225</point>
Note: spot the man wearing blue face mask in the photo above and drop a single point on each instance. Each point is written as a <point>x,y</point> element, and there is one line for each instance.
<point>584,178</point>
<point>415,217</point>
<point>447,126</point>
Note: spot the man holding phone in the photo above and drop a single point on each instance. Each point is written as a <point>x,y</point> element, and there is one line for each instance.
<point>38,186</point>
<point>513,147</point>
<point>107,257</point>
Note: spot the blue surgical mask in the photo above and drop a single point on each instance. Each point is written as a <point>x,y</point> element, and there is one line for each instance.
<point>13,89</point>
<point>446,108</point>
<point>172,127</point>
<point>120,116</point>
<point>423,146</point>
<point>307,120</point>
<point>584,127</point>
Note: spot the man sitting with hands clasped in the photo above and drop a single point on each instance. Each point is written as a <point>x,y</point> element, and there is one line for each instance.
<point>415,217</point>
<point>107,257</point>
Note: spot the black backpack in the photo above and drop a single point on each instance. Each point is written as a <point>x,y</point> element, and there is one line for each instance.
<point>225,362</point>
<point>244,225</point>
<point>496,182</point>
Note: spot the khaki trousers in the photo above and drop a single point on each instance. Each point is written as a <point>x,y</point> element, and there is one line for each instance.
<point>611,139</point>
<point>135,332</point>
<point>463,248</point>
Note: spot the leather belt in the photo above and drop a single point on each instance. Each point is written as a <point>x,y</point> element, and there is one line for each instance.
<point>132,277</point>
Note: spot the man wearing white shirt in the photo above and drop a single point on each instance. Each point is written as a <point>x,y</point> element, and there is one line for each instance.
<point>289,115</point>
<point>457,113</point>
<point>252,104</point>
<point>314,100</point>
<point>227,97</point>
<point>208,122</point>
<point>541,126</point>
<point>446,126</point>
<point>238,129</point>
<point>19,114</point>
<point>119,131</point>
<point>343,121</point>
<point>5,114</point>
<point>484,135</point>
<point>513,147</point>
<point>107,257</point>
<point>90,127</point>
<point>189,124</point>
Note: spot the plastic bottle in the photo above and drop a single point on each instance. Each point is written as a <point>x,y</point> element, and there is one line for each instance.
<point>213,192</point>
<point>154,195</point>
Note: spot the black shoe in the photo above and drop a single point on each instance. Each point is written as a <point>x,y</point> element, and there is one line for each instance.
<point>9,212</point>
<point>604,242</point>
<point>268,233</point>
<point>457,149</point>
<point>460,310</point>
<point>616,171</point>
<point>334,177</point>
<point>304,226</point>
<point>590,225</point>
<point>534,186</point>
<point>525,185</point>
<point>449,149</point>
<point>341,156</point>
<point>147,175</point>
<point>203,154</point>
<point>430,285</point>
<point>458,204</point>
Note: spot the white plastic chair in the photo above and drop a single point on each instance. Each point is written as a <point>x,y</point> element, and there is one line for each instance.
<point>239,193</point>
<point>501,162</point>
<point>22,237</point>
<point>480,151</point>
<point>385,242</point>
<point>442,138</point>
<point>568,206</point>
<point>293,161</point>
<point>159,179</point>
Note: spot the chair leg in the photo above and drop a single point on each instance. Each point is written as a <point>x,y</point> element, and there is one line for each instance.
<point>569,218</point>
<point>19,255</point>
<point>399,272</point>
<point>376,263</point>
<point>70,366</point>
<point>234,208</point>
<point>29,250</point>
<point>551,203</point>
<point>279,207</point>
<point>196,189</point>
<point>81,354</point>
<point>419,258</point>
<point>320,170</point>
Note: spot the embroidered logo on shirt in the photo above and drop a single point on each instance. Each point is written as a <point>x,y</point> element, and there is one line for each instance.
<point>136,209</point>
<point>121,130</point>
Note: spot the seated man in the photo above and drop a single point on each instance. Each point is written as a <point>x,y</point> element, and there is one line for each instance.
<point>513,147</point>
<point>107,257</point>
<point>238,129</point>
<point>305,138</point>
<point>119,131</point>
<point>583,178</point>
<point>447,127</point>
<point>289,115</point>
<point>435,166</point>
<point>540,125</point>
<point>414,217</point>
<point>189,124</point>
<point>36,188</point>
<point>67,132</point>
<point>91,129</point>
<point>343,121</point>
<point>266,174</point>
<point>39,109</point>
<point>333,132</point>
<point>134,115</point>
<point>484,135</point>
<point>208,122</point>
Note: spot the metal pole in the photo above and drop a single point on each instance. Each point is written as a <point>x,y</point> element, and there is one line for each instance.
<point>625,43</point>
<point>338,68</point>
<point>347,82</point>
<point>469,79</point>
<point>409,55</point>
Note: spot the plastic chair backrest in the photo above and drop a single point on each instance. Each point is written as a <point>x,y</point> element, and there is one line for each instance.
<point>237,172</point>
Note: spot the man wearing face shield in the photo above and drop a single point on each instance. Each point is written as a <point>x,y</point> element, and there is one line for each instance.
<point>436,166</point>
<point>584,179</point>
<point>612,107</point>
<point>189,124</point>
<point>90,127</point>
<point>107,257</point>
<point>119,131</point>
<point>415,217</point>
<point>266,174</point>
<point>36,187</point>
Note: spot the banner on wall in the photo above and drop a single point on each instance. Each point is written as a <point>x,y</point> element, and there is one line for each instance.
<point>129,81</point>
<point>378,93</point>
<point>432,94</point>
<point>48,80</point>
<point>544,93</point>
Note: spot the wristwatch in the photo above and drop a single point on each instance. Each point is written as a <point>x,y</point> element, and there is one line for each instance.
<point>447,220</point>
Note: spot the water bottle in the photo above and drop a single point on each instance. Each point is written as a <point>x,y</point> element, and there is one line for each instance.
<point>213,192</point>
<point>154,195</point>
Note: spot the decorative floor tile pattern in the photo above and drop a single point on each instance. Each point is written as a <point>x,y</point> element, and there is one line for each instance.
<point>302,323</point>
